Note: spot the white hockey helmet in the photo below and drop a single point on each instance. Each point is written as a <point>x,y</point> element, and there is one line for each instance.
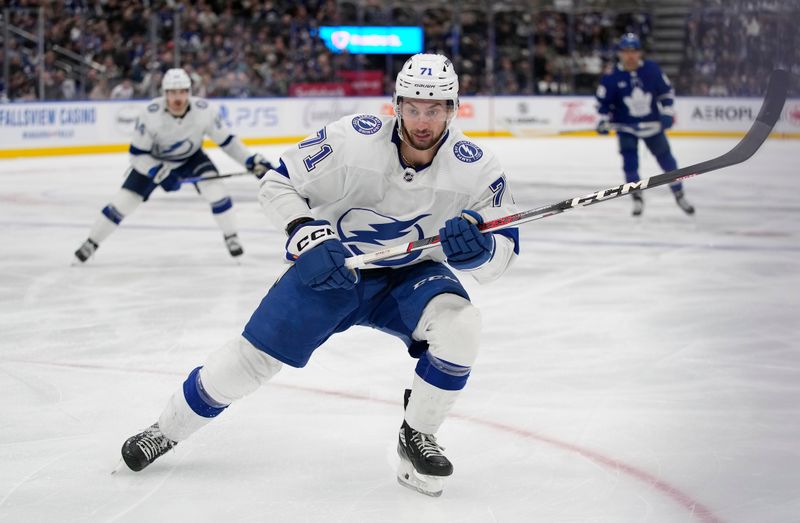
<point>176,79</point>
<point>427,77</point>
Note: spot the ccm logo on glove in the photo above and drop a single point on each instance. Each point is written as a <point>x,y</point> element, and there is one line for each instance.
<point>319,257</point>
<point>310,235</point>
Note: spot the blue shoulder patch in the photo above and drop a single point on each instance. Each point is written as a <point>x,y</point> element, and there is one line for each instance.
<point>200,104</point>
<point>367,124</point>
<point>152,108</point>
<point>467,152</point>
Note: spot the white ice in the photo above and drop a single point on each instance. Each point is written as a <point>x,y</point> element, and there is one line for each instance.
<point>631,370</point>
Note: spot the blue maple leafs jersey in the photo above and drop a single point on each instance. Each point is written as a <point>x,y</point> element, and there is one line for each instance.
<point>351,175</point>
<point>630,98</point>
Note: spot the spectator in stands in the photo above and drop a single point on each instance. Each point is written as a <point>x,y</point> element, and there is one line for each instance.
<point>276,41</point>
<point>123,90</point>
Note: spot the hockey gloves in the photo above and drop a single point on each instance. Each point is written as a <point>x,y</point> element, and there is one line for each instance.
<point>161,176</point>
<point>465,246</point>
<point>603,125</point>
<point>257,165</point>
<point>319,255</point>
<point>667,120</point>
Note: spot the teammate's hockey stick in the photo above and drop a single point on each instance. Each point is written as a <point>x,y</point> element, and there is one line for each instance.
<point>771,108</point>
<point>649,127</point>
<point>195,179</point>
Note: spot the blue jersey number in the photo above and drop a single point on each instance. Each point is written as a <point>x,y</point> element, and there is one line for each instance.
<point>498,187</point>
<point>312,160</point>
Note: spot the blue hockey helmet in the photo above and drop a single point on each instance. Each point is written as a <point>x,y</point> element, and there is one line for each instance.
<point>629,41</point>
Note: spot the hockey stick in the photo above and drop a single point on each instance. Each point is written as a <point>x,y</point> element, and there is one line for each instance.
<point>611,127</point>
<point>195,179</point>
<point>771,108</point>
<point>650,128</point>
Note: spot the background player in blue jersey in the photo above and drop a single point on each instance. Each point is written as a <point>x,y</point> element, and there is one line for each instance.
<point>167,148</point>
<point>636,99</point>
<point>363,183</point>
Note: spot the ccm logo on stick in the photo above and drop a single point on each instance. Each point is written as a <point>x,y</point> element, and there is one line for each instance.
<point>609,193</point>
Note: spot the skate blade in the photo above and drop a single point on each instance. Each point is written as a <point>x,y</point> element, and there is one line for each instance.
<point>422,483</point>
<point>119,467</point>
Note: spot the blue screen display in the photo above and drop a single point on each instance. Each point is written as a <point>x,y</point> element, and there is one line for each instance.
<point>372,39</point>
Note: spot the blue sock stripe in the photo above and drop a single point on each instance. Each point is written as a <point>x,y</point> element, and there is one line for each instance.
<point>441,373</point>
<point>198,399</point>
<point>222,205</point>
<point>111,212</point>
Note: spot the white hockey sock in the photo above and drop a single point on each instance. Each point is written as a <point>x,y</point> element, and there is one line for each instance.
<point>122,204</point>
<point>217,196</point>
<point>451,326</point>
<point>236,370</point>
<point>178,421</point>
<point>230,373</point>
<point>226,221</point>
<point>428,406</point>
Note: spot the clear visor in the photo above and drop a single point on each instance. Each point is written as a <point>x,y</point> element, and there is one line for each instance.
<point>412,110</point>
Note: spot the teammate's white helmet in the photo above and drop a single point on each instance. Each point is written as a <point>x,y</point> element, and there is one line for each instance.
<point>176,79</point>
<point>428,77</point>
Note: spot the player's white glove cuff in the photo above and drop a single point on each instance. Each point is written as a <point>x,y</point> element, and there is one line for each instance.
<point>307,236</point>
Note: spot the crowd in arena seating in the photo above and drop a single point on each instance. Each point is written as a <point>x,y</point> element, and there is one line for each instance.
<point>248,49</point>
<point>731,47</point>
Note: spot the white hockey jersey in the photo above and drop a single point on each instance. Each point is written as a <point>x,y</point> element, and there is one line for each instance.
<point>351,174</point>
<point>161,138</point>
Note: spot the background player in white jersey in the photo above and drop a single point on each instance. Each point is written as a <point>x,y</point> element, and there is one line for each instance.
<point>360,184</point>
<point>166,148</point>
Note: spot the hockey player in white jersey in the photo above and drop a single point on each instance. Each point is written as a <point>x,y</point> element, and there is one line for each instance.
<point>360,184</point>
<point>166,149</point>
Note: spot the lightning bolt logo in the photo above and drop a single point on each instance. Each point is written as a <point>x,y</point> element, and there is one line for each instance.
<point>176,150</point>
<point>361,228</point>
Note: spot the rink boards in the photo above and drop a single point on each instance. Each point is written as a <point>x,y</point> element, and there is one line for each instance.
<point>56,128</point>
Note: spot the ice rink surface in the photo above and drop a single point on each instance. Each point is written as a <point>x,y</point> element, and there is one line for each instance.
<point>632,370</point>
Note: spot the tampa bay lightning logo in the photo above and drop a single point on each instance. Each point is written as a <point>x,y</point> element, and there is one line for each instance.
<point>176,151</point>
<point>364,230</point>
<point>467,152</point>
<point>367,124</point>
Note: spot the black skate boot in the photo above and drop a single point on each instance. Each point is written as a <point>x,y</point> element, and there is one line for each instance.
<point>422,463</point>
<point>234,247</point>
<point>680,199</point>
<point>638,204</point>
<point>144,448</point>
<point>86,250</point>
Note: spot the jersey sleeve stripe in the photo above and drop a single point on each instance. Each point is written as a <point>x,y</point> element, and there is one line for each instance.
<point>281,168</point>
<point>136,151</point>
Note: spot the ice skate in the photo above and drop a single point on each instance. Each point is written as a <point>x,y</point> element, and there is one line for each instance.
<point>423,467</point>
<point>144,448</point>
<point>233,244</point>
<point>638,204</point>
<point>86,250</point>
<point>680,199</point>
